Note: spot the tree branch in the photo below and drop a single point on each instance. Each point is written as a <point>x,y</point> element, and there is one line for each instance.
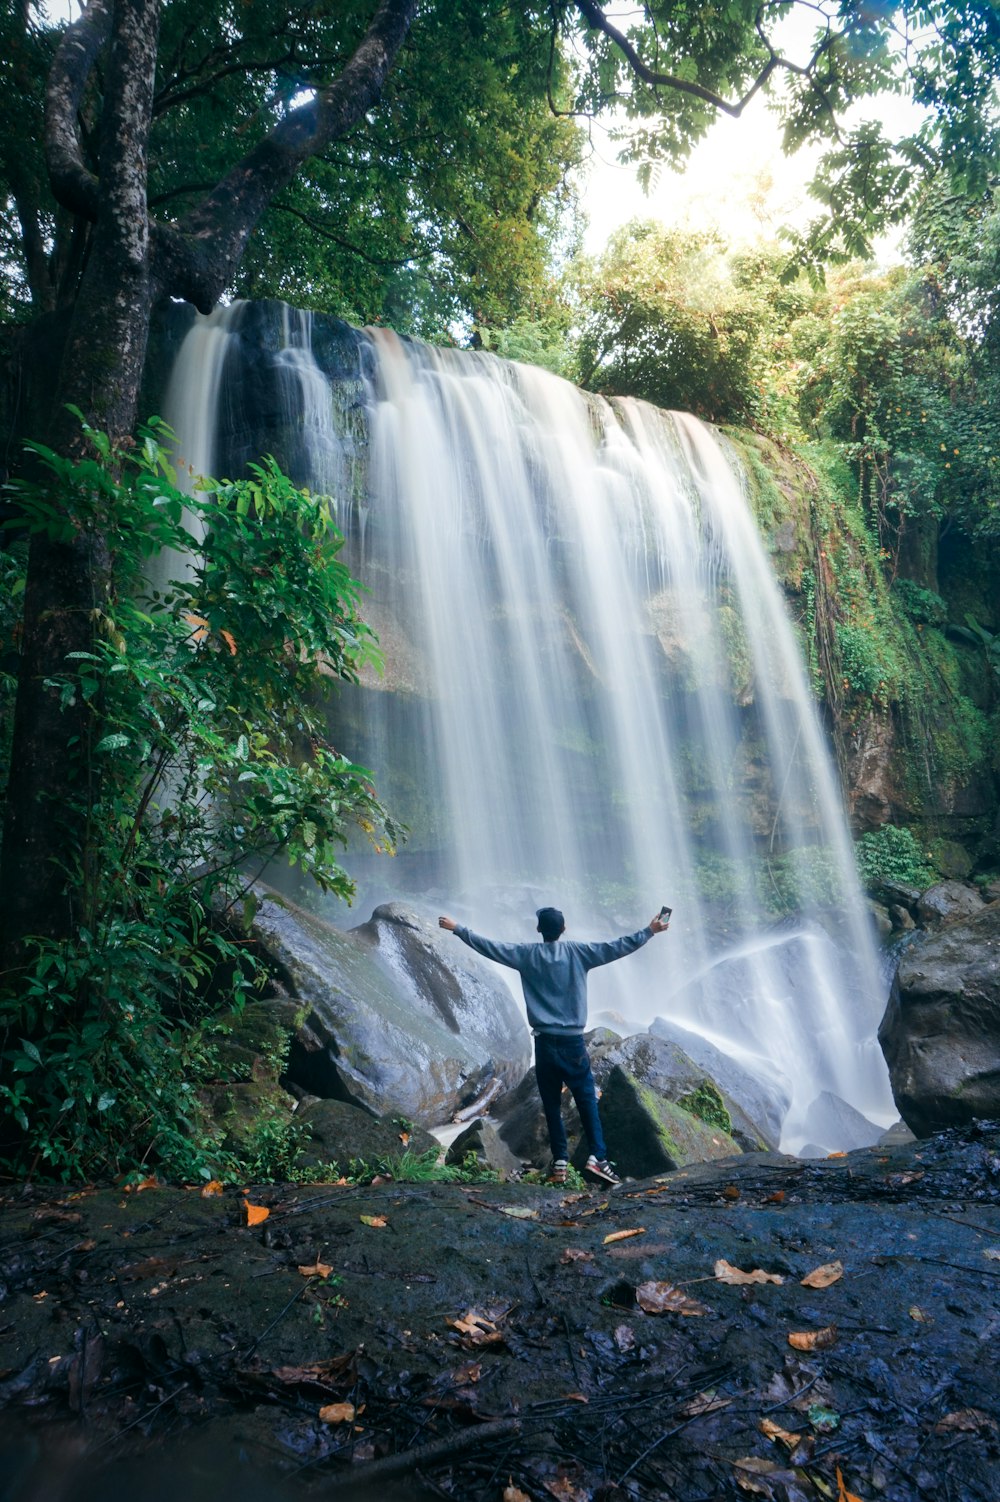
<point>197,259</point>
<point>328,234</point>
<point>72,184</point>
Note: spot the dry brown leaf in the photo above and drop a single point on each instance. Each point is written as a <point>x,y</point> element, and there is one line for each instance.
<point>966,1419</point>
<point>254,1214</point>
<point>378,1221</point>
<point>230,641</point>
<point>731,1192</point>
<point>466,1375</point>
<point>512,1493</point>
<point>777,1198</point>
<point>727,1273</point>
<point>575,1397</point>
<point>813,1340</point>
<point>476,1329</point>
<point>321,1372</point>
<point>774,1431</point>
<point>404,1138</point>
<point>576,1254</point>
<point>624,1235</point>
<point>214,1186</point>
<point>704,1402</point>
<point>664,1298</point>
<point>843,1495</point>
<point>920,1315</point>
<point>337,1413</point>
<point>563,1488</point>
<point>822,1277</point>
<point>749,1469</point>
<point>837,1155</point>
<point>151,1183</point>
<point>318,1270</point>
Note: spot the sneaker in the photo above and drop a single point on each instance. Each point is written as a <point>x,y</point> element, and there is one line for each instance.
<point>557,1173</point>
<point>601,1169</point>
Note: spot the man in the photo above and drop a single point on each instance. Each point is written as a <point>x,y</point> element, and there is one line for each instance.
<point>554,981</point>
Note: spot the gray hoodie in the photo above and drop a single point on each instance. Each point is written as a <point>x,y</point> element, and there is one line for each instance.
<point>554,974</point>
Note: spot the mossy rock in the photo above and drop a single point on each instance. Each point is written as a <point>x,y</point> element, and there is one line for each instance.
<point>344,1134</point>
<point>647,1134</point>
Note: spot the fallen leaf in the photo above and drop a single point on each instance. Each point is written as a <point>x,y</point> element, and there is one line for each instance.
<point>624,1235</point>
<point>575,1397</point>
<point>476,1329</point>
<point>704,1402</point>
<point>774,1431</point>
<point>966,1419</point>
<point>151,1183</point>
<point>563,1488</point>
<point>727,1273</point>
<point>920,1315</point>
<point>512,1493</point>
<point>837,1155</point>
<point>777,1198</point>
<point>576,1254</point>
<point>749,1469</point>
<point>378,1221</point>
<point>318,1270</point>
<point>338,1413</point>
<point>624,1338</point>
<point>254,1214</point>
<point>813,1340</point>
<point>664,1298</point>
<point>992,1253</point>
<point>214,1186</point>
<point>822,1277</point>
<point>731,1192</point>
<point>843,1495</point>
<point>322,1373</point>
<point>404,1138</point>
<point>467,1374</point>
<point>826,1420</point>
<point>520,1212</point>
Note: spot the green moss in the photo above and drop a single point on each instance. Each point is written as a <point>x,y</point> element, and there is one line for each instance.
<point>707,1104</point>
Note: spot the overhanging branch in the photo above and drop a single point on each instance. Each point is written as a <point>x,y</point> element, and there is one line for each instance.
<point>73,185</point>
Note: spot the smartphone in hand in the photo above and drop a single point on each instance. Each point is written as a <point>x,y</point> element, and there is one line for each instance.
<point>664,914</point>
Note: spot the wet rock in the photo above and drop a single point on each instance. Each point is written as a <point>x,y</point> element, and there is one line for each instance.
<point>941,1030</point>
<point>662,1065</point>
<point>902,918</point>
<point>488,1147</point>
<point>883,920</point>
<point>399,1018</point>
<point>763,1099</point>
<point>520,1122</point>
<point>837,1126</point>
<point>948,901</point>
<point>647,1134</point>
<point>341,1134</point>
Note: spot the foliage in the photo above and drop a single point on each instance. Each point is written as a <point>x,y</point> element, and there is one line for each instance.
<point>705,1101</point>
<point>203,759</point>
<point>893,854</point>
<point>670,317</point>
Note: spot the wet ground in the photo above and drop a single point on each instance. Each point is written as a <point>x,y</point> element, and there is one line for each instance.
<point>490,1342</point>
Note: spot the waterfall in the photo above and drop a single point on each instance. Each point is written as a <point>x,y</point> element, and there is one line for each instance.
<point>594,698</point>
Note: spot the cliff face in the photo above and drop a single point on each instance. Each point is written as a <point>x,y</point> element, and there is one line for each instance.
<point>910,704</point>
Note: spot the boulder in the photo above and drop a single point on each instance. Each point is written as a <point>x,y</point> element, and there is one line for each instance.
<point>647,1134</point>
<point>763,1098</point>
<point>948,901</point>
<point>401,1018</point>
<point>340,1134</point>
<point>941,1030</point>
<point>835,1126</point>
<point>520,1122</point>
<point>484,1141</point>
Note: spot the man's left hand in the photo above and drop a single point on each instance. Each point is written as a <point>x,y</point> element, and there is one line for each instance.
<point>448,923</point>
<point>658,926</point>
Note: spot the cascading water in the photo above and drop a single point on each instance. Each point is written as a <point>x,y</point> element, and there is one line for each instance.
<point>594,698</point>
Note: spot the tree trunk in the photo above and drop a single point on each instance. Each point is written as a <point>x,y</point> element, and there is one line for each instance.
<point>44,860</point>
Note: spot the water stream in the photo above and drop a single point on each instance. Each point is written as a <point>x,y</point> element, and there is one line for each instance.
<point>594,694</point>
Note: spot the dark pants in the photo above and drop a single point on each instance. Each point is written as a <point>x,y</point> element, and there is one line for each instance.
<point>561,1060</point>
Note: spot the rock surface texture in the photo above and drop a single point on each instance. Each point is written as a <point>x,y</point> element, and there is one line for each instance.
<point>398,1020</point>
<point>941,1030</point>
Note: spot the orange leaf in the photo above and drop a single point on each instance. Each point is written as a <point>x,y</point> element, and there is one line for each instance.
<point>664,1298</point>
<point>843,1495</point>
<point>337,1413</point>
<point>201,626</point>
<point>837,1155</point>
<point>318,1270</point>
<point>404,1138</point>
<point>822,1277</point>
<point>813,1340</point>
<point>379,1221</point>
<point>727,1273</point>
<point>575,1397</point>
<point>254,1214</point>
<point>512,1493</point>
<point>576,1254</point>
<point>214,1186</point>
<point>624,1235</point>
<point>731,1192</point>
<point>775,1431</point>
<point>777,1198</point>
<point>230,641</point>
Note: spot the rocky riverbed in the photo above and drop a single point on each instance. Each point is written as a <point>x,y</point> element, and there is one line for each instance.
<point>759,1326</point>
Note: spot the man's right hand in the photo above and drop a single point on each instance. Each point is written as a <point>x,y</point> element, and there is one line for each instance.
<point>448,923</point>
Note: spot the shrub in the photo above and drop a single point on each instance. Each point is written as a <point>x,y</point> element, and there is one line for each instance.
<point>893,854</point>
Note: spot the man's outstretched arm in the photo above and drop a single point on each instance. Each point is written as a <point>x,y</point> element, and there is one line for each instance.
<point>503,954</point>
